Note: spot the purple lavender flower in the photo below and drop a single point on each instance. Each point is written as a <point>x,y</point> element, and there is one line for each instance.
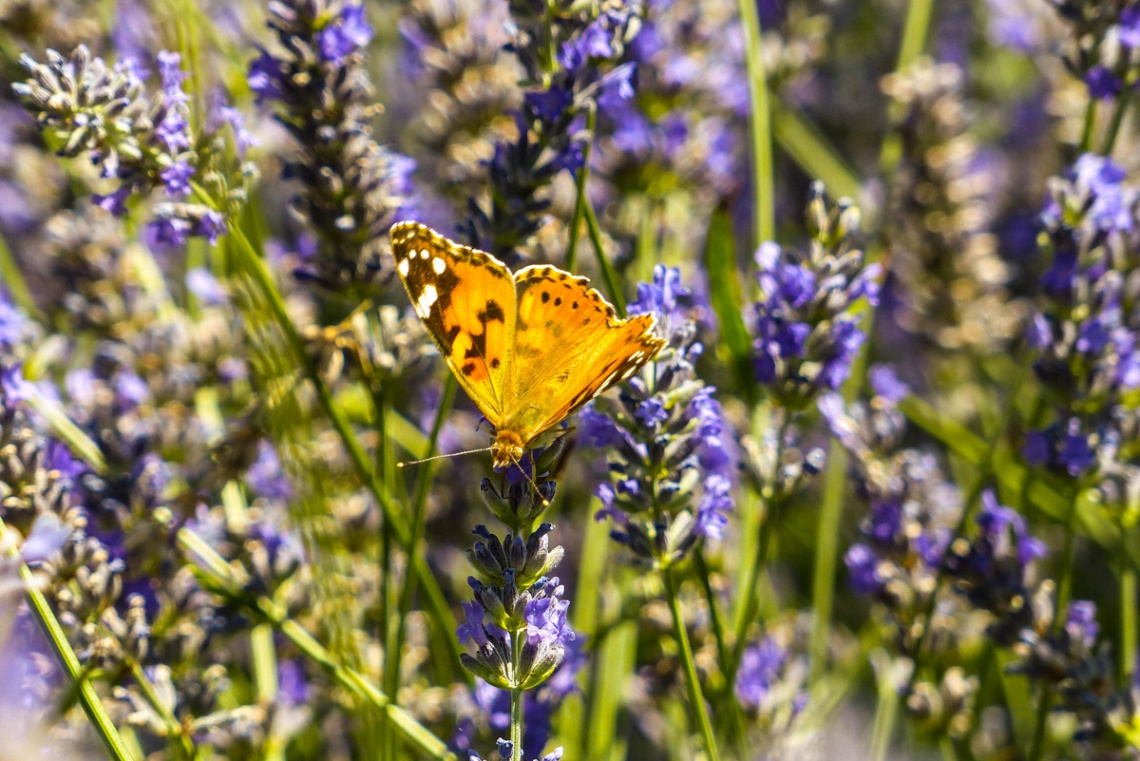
<point>886,383</point>
<point>549,141</point>
<point>151,144</point>
<point>806,338</point>
<point>992,571</point>
<point>1081,623</point>
<point>545,614</point>
<point>760,667</point>
<point>345,34</point>
<point>221,114</point>
<point>659,440</point>
<point>266,477</point>
<point>350,188</point>
<point>12,325</point>
<point>862,564</point>
<point>1084,334</point>
<point>1102,83</point>
<point>46,539</point>
<point>1129,28</point>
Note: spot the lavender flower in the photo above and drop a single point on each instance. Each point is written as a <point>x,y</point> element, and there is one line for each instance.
<point>137,140</point>
<point>1070,663</point>
<point>806,333</point>
<point>583,70</point>
<point>352,188</point>
<point>665,440</point>
<point>949,278</point>
<point>517,621</point>
<point>1085,332</point>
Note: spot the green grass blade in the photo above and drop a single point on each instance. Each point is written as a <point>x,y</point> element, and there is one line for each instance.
<point>727,300</point>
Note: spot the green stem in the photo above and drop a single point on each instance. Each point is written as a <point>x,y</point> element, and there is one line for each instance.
<point>1064,592</point>
<point>749,593</point>
<point>419,522</point>
<point>886,709</point>
<point>692,681</point>
<point>1089,126</point>
<point>85,691</point>
<point>608,274</point>
<point>915,31</point>
<point>722,653</point>
<point>1128,623</point>
<point>516,698</point>
<point>229,581</point>
<point>1122,102</point>
<point>13,280</point>
<point>580,199</point>
<point>809,147</point>
<point>764,191</point>
<point>826,550</point>
<point>255,267</point>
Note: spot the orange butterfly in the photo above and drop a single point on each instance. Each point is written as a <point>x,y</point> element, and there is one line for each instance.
<point>529,348</point>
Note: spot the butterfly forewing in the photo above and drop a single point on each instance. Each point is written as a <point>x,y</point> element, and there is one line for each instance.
<point>569,347</point>
<point>466,298</point>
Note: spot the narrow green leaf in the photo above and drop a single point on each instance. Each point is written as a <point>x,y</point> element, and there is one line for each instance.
<point>726,297</point>
<point>809,148</point>
<point>85,691</point>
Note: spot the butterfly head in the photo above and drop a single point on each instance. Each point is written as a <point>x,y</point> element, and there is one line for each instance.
<point>507,449</point>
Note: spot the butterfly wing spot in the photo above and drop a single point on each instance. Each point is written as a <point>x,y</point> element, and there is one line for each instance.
<point>427,298</point>
<point>403,267</point>
<point>438,265</point>
<point>491,311</point>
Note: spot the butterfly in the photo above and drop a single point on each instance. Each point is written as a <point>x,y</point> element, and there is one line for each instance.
<point>528,347</point>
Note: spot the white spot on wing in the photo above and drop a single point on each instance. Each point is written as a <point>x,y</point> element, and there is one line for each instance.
<point>403,267</point>
<point>424,253</point>
<point>439,265</point>
<point>425,301</point>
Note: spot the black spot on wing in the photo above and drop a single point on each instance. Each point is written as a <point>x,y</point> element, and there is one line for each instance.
<point>478,348</point>
<point>492,312</point>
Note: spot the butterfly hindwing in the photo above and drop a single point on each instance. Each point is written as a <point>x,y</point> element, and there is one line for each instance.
<point>569,347</point>
<point>466,298</point>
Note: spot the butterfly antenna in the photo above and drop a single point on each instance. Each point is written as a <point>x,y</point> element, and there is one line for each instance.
<point>402,463</point>
<point>533,485</point>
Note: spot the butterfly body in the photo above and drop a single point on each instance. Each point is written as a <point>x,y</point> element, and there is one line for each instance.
<point>528,347</point>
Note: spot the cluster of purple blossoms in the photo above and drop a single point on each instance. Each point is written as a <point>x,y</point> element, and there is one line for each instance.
<point>993,570</point>
<point>666,439</point>
<point>1086,332</point>
<point>491,706</point>
<point>570,60</point>
<point>912,508</point>
<point>687,118</point>
<point>352,188</point>
<point>517,621</point>
<point>1068,662</point>
<point>137,140</point>
<point>1106,69</point>
<point>807,335</point>
<point>910,540</point>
